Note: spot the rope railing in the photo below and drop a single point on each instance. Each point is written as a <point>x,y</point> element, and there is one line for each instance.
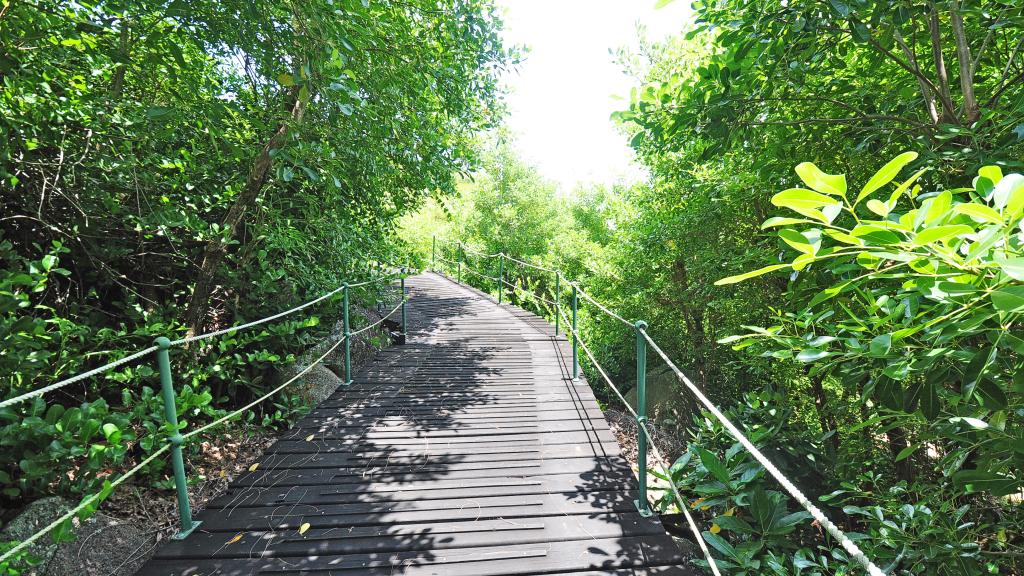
<point>643,339</point>
<point>176,439</point>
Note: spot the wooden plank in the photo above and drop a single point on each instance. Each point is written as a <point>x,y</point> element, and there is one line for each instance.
<point>600,554</point>
<point>466,452</point>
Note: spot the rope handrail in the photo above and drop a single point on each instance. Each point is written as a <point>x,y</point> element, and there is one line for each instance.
<point>795,492</point>
<point>273,317</point>
<point>477,252</point>
<point>599,306</point>
<point>642,424</point>
<point>791,488</point>
<point>176,439</point>
<point>300,374</point>
<point>136,355</point>
<point>534,266</point>
<point>57,385</point>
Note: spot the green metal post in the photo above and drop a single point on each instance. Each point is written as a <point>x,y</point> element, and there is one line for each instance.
<point>558,298</point>
<point>433,254</point>
<point>641,410</point>
<point>575,339</point>
<point>163,361</point>
<point>458,256</point>
<point>501,276</point>
<point>405,319</point>
<point>348,336</point>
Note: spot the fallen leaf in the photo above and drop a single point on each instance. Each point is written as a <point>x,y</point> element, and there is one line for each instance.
<point>715,529</point>
<point>235,539</point>
<point>254,467</point>
<point>303,528</point>
<point>223,473</point>
<point>309,438</point>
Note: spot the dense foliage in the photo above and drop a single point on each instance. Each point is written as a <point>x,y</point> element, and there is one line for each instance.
<point>870,347</point>
<point>176,167</point>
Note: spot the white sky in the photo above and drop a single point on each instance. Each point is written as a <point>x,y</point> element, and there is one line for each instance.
<point>563,94</point>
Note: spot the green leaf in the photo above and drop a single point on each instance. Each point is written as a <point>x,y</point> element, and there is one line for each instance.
<point>878,207</point>
<point>992,396</point>
<point>985,481</point>
<point>801,198</point>
<point>812,354</point>
<point>886,174</point>
<point>834,184</point>
<point>713,465</point>
<point>780,221</point>
<point>1012,267</point>
<point>939,233</point>
<point>875,234</point>
<point>1007,188</point>
<point>158,111</point>
<point>979,212</point>
<point>1009,299</point>
<point>748,275</point>
<point>880,345</point>
<point>797,240</point>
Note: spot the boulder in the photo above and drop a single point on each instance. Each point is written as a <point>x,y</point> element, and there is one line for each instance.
<point>33,518</point>
<point>103,546</point>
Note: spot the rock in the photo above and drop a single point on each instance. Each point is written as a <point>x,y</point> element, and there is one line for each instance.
<point>36,516</point>
<point>319,383</point>
<point>103,546</point>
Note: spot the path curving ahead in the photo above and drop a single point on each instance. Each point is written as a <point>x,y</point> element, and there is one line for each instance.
<point>468,451</point>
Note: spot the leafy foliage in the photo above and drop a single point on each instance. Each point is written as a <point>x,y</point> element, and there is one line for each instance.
<point>190,165</point>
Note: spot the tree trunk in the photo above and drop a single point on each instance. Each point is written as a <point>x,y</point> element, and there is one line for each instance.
<point>216,248</point>
<point>963,53</point>
<point>940,62</point>
<point>897,442</point>
<point>825,419</point>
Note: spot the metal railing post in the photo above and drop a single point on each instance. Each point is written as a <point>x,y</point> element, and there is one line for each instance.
<point>405,319</point>
<point>458,256</point>
<point>642,504</point>
<point>433,253</point>
<point>163,361</point>
<point>501,275</point>
<point>575,339</point>
<point>558,298</point>
<point>348,336</point>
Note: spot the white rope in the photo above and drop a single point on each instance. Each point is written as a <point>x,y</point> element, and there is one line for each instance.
<point>85,503</point>
<point>56,385</point>
<point>524,263</point>
<point>694,529</point>
<point>600,306</point>
<point>279,314</point>
<point>73,379</point>
<point>256,322</point>
<point>383,318</point>
<point>795,492</point>
<point>476,253</point>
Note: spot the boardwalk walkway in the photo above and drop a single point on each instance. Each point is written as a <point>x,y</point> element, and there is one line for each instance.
<point>468,451</point>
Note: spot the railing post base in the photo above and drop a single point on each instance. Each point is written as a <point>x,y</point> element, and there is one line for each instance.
<point>643,508</point>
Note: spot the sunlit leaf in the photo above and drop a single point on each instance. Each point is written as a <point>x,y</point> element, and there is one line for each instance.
<point>886,174</point>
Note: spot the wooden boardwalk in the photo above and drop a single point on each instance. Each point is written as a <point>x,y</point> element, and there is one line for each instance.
<point>467,451</point>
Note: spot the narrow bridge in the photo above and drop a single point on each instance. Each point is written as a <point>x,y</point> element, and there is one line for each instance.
<point>468,451</point>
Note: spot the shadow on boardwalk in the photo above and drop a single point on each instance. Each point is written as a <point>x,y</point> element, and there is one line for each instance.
<point>466,452</point>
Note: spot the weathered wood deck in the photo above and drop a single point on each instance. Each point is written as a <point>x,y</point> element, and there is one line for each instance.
<point>468,451</point>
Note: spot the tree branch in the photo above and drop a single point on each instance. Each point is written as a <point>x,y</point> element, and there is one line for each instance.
<point>963,52</point>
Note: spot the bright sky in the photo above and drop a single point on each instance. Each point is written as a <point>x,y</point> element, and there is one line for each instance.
<point>563,94</point>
